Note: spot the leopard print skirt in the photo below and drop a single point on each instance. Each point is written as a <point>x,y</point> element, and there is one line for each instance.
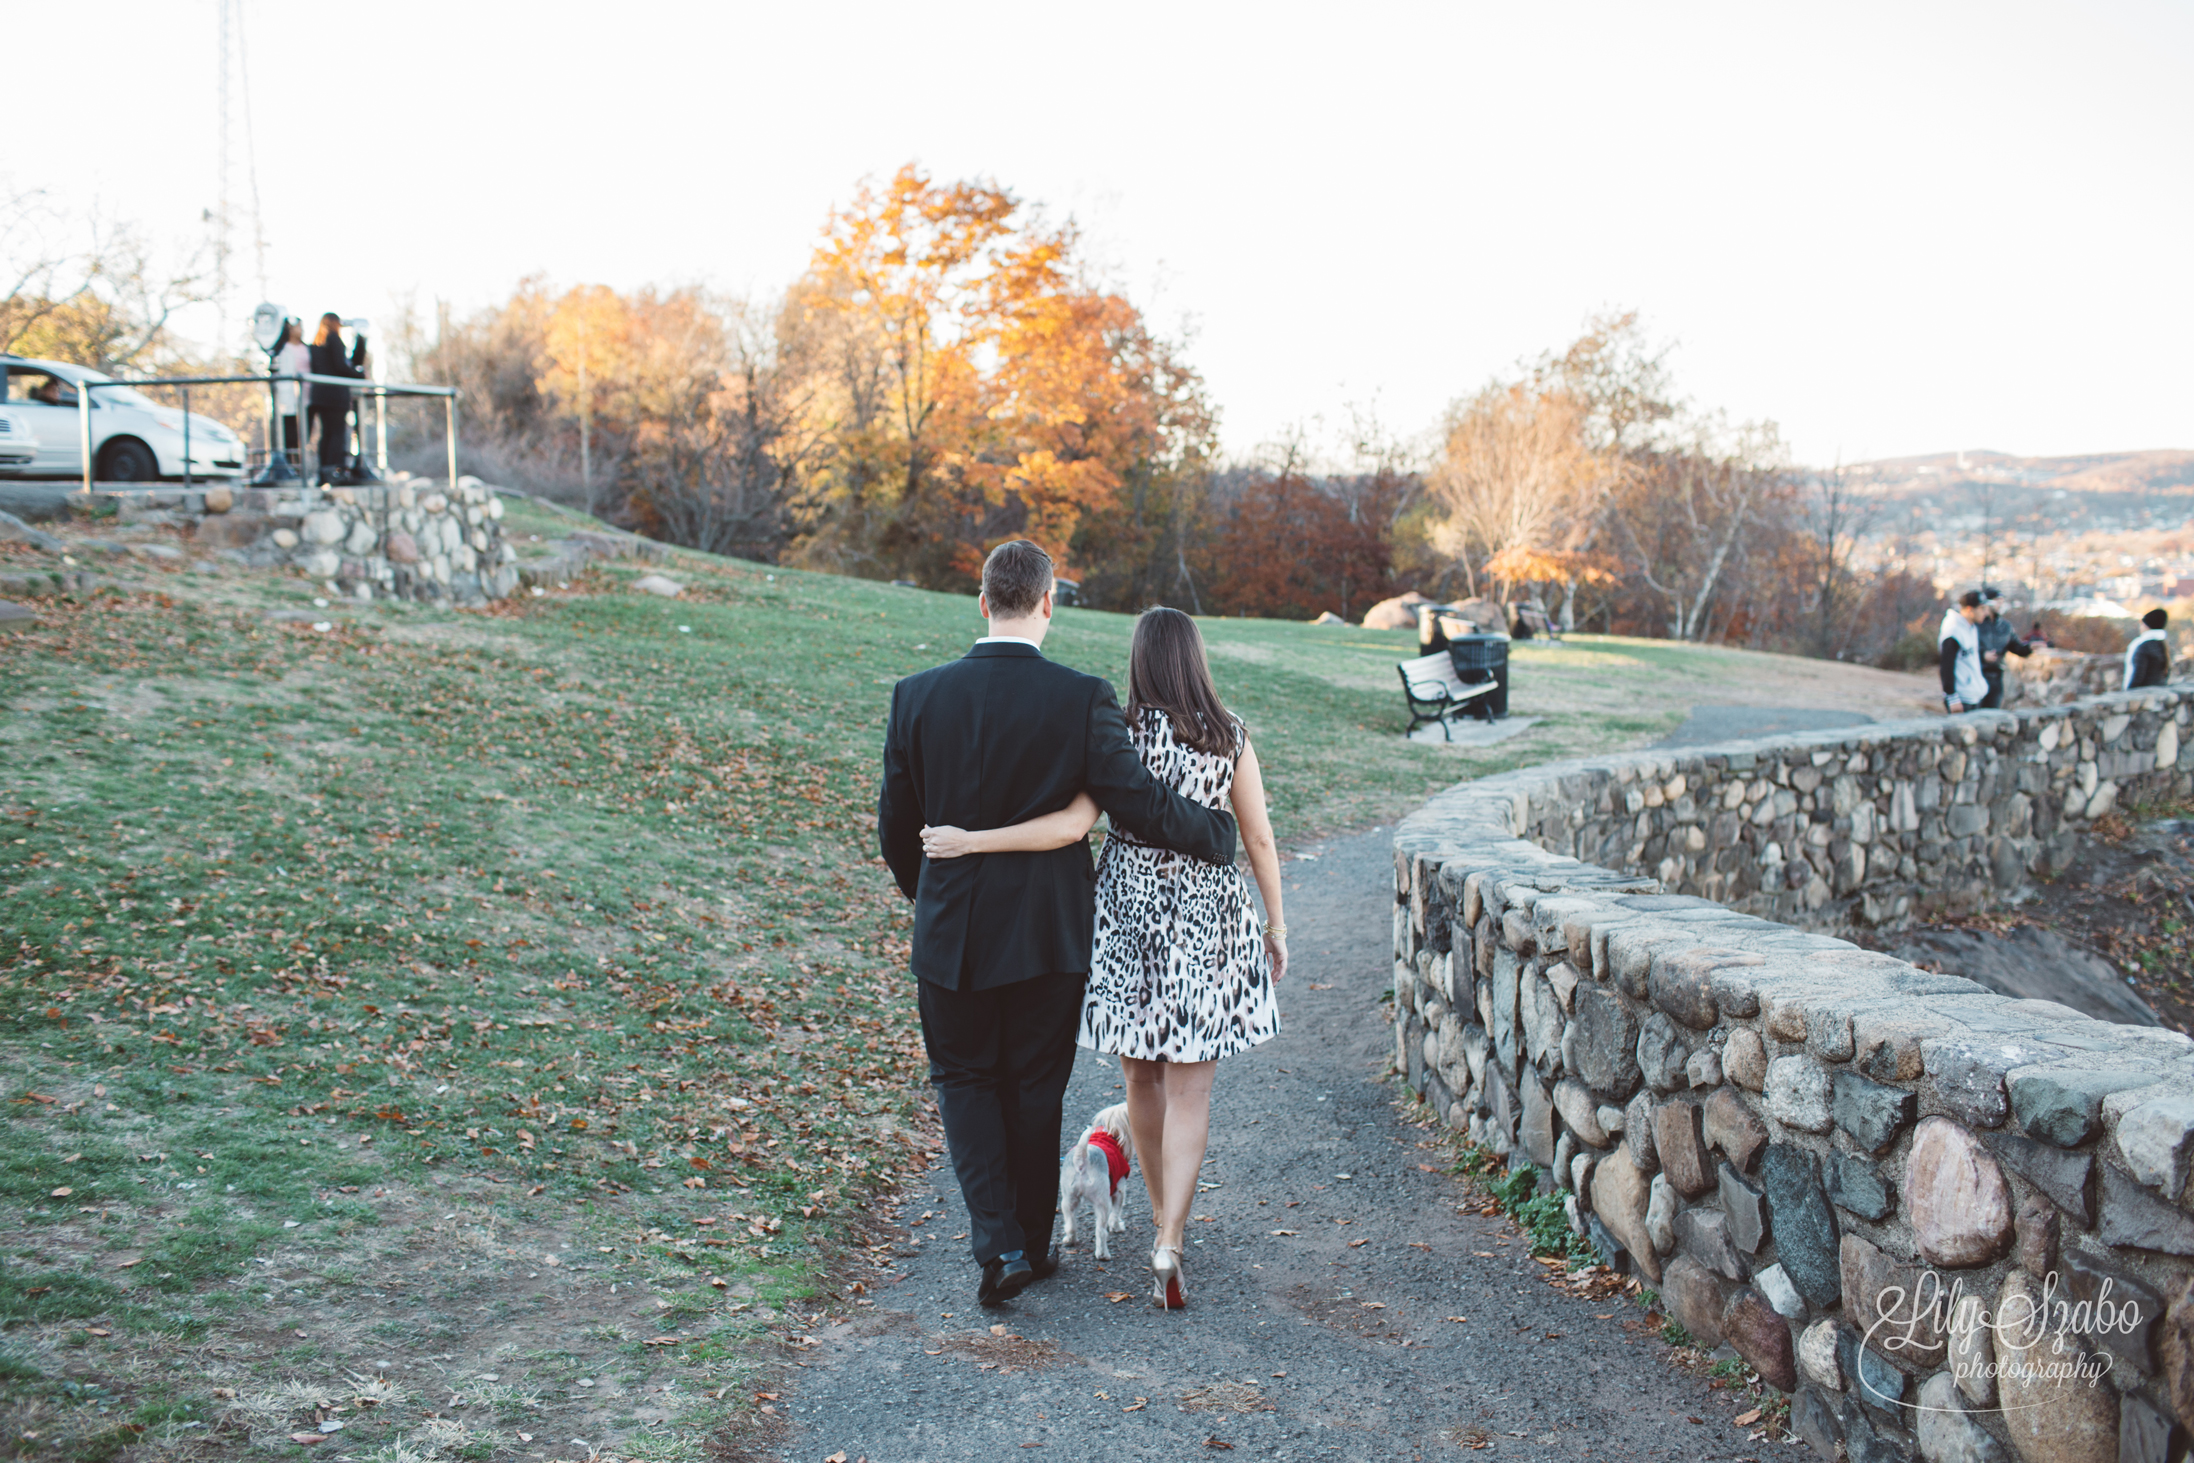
<point>1179,972</point>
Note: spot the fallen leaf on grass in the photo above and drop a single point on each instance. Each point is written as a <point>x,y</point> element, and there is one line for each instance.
<point>1458,1318</point>
<point>1285,1231</point>
<point>1214,1442</point>
<point>1372,1305</point>
<point>1140,1404</point>
<point>63,1192</point>
<point>837,1457</point>
<point>1116,1296</point>
<point>1427,1168</point>
<point>1357,1244</point>
<point>308,1439</point>
<point>1746,1419</point>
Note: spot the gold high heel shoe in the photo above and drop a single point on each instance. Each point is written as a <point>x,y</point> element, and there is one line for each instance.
<point>1169,1285</point>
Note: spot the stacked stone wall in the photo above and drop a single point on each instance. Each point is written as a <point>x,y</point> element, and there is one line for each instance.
<point>1877,826</point>
<point>403,540</point>
<point>1945,1221</point>
<point>2051,677</point>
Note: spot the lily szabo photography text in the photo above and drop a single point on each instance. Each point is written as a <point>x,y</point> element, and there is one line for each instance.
<point>2033,1339</point>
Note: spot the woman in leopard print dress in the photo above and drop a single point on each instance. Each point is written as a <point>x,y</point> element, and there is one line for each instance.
<point>1183,972</point>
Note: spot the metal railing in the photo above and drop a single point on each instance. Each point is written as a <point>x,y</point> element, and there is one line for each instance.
<point>381,391</point>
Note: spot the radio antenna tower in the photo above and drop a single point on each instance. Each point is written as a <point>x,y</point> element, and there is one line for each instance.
<point>230,24</point>
<point>221,170</point>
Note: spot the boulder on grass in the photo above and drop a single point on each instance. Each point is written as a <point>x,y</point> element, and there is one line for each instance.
<point>1398,613</point>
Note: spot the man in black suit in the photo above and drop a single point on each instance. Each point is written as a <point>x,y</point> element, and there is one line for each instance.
<point>1002,940</point>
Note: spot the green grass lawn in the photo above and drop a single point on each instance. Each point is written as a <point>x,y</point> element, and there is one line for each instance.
<point>375,999</point>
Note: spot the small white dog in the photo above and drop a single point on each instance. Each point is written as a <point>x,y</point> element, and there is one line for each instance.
<point>1091,1173</point>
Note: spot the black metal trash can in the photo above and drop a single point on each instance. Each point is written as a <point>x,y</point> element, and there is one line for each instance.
<point>1480,658</point>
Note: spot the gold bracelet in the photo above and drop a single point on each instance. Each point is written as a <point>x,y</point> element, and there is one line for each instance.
<point>1277,932</point>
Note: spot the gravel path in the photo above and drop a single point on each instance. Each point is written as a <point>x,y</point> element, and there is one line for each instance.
<point>1331,1343</point>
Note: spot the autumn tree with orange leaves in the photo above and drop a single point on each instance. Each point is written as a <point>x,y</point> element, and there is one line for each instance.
<point>971,383</point>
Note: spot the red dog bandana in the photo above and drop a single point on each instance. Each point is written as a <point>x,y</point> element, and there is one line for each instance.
<point>1115,1160</point>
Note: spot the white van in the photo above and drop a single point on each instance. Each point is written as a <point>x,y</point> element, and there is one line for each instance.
<point>134,439</point>
<point>18,443</point>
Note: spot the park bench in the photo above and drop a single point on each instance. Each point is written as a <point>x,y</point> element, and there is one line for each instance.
<point>1538,622</point>
<point>1437,693</point>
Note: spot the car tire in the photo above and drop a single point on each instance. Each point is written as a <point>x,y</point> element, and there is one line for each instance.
<point>128,460</point>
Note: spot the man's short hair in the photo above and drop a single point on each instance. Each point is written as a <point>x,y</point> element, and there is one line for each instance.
<point>1971,599</point>
<point>2156,619</point>
<point>1016,577</point>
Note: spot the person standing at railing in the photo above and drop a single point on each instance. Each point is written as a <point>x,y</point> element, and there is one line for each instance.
<point>331,404</point>
<point>291,358</point>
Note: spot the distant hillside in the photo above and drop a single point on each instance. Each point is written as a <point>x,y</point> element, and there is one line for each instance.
<point>2099,491</point>
<point>2168,470</point>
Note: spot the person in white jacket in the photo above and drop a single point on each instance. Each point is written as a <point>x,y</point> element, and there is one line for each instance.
<point>1964,685</point>
<point>291,358</point>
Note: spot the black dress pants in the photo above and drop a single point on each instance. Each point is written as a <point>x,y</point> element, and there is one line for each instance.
<point>334,433</point>
<point>1994,700</point>
<point>1000,1060</point>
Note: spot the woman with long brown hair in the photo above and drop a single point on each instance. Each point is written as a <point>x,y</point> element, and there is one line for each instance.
<point>1183,970</point>
<point>331,404</point>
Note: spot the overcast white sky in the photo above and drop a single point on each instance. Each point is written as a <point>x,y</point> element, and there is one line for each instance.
<point>1892,228</point>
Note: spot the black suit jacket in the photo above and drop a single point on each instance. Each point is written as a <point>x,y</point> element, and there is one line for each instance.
<point>997,737</point>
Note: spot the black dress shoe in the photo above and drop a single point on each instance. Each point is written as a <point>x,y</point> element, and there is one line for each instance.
<point>1002,1281</point>
<point>1045,1268</point>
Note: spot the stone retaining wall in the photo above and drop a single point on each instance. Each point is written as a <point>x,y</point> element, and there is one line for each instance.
<point>403,540</point>
<point>2051,677</point>
<point>1870,826</point>
<point>1795,1139</point>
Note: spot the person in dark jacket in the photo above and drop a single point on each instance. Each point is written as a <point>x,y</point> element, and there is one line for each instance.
<point>331,404</point>
<point>2148,657</point>
<point>1003,941</point>
<point>1998,639</point>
